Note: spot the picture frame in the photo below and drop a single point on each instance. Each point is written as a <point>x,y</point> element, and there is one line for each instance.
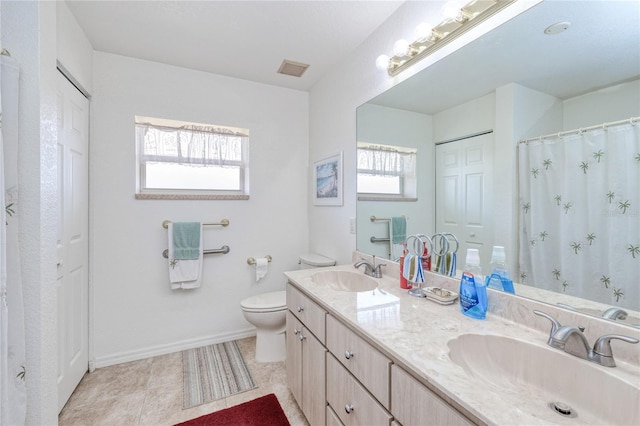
<point>328,180</point>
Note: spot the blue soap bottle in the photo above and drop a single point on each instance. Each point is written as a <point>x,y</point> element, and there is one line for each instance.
<point>473,292</point>
<point>499,277</point>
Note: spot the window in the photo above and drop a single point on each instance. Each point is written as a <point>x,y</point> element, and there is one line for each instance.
<point>386,171</point>
<point>177,159</point>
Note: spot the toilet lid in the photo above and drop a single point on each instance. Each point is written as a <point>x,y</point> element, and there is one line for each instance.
<point>274,301</point>
<point>313,259</point>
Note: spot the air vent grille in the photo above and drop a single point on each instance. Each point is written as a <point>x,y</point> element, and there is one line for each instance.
<point>295,69</point>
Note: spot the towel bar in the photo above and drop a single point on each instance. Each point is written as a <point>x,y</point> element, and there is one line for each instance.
<point>378,240</point>
<point>223,222</point>
<point>374,219</point>
<point>222,250</point>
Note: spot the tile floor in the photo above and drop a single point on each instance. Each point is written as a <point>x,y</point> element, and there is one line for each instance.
<point>149,392</point>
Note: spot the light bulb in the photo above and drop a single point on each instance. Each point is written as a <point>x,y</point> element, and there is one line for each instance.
<point>401,47</point>
<point>451,9</point>
<point>382,62</point>
<point>423,31</point>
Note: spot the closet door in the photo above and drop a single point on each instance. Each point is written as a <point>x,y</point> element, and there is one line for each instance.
<point>72,246</point>
<point>464,195</point>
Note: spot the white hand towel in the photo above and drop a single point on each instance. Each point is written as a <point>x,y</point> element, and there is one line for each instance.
<point>262,266</point>
<point>183,273</point>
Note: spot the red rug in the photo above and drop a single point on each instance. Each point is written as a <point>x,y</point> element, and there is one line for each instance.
<point>265,410</point>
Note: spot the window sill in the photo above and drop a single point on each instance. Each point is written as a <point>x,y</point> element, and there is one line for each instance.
<point>383,198</point>
<point>191,197</point>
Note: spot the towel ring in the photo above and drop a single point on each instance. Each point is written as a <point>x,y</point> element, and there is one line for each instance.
<point>417,244</point>
<point>450,235</point>
<point>252,261</point>
<point>441,244</point>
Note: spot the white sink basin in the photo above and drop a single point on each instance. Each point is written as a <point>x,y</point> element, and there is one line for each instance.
<point>345,280</point>
<point>543,375</point>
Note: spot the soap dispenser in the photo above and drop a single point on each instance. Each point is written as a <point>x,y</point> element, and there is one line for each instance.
<point>498,277</point>
<point>473,292</point>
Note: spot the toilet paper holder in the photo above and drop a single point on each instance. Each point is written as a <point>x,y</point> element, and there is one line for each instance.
<point>252,261</point>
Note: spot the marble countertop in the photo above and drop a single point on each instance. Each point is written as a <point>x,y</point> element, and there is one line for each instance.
<point>415,332</point>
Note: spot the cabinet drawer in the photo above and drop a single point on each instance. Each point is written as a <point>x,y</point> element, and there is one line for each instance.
<point>365,362</point>
<point>431,409</point>
<point>350,401</point>
<point>307,311</point>
<point>332,418</point>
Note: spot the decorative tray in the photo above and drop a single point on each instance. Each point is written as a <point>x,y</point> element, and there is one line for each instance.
<point>440,295</point>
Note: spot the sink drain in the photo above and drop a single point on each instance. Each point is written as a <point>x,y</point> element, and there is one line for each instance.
<point>562,409</point>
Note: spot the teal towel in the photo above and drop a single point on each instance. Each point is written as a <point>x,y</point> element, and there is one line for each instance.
<point>186,240</point>
<point>399,229</point>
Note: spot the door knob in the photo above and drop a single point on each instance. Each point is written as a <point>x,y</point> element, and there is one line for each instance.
<point>348,354</point>
<point>348,408</point>
<point>300,308</point>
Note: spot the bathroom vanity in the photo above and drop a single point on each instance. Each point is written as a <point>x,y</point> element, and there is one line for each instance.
<point>367,353</point>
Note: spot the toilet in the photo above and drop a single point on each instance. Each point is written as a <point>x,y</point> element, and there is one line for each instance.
<point>268,313</point>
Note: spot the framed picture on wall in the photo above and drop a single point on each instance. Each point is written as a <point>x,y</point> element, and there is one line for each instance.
<point>328,177</point>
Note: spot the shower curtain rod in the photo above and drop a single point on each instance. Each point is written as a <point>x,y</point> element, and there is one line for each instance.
<point>604,126</point>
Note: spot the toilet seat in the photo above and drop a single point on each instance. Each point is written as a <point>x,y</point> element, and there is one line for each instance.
<point>265,302</point>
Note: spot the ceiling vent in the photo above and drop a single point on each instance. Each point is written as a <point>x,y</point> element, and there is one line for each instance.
<point>295,69</point>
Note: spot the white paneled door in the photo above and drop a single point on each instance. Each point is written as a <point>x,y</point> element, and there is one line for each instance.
<point>464,193</point>
<point>73,247</point>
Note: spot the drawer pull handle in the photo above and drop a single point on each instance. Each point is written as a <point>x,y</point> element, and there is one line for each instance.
<point>300,309</point>
<point>348,408</point>
<point>296,331</point>
<point>301,337</point>
<point>348,354</point>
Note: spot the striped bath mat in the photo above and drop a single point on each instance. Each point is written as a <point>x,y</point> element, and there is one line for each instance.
<point>214,372</point>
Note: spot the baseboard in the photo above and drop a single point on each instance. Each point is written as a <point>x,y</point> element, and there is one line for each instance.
<point>152,351</point>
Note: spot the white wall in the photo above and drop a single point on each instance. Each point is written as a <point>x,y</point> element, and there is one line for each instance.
<point>390,126</point>
<point>471,117</point>
<point>613,103</point>
<point>136,314</point>
<point>29,33</point>
<point>75,53</point>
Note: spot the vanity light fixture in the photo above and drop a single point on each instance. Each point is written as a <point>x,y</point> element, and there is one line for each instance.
<point>458,19</point>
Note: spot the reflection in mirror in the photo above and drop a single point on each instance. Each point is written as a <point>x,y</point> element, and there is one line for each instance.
<point>512,84</point>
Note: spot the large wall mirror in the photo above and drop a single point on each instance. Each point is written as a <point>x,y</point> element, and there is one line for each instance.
<point>466,116</point>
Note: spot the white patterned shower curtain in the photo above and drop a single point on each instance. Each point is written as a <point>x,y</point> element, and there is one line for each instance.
<point>580,214</point>
<point>12,332</point>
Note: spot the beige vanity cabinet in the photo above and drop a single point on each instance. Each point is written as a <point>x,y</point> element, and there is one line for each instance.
<point>414,404</point>
<point>365,362</point>
<point>332,418</point>
<point>306,371</point>
<point>351,402</point>
<point>340,379</point>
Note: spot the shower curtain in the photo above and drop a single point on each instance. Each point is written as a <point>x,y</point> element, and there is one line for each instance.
<point>12,332</point>
<point>580,214</point>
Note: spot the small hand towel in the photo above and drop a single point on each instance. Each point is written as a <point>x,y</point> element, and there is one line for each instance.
<point>184,273</point>
<point>398,229</point>
<point>186,240</point>
<point>412,269</point>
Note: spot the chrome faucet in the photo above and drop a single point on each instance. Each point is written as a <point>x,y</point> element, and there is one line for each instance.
<point>571,340</point>
<point>370,269</point>
<point>615,314</point>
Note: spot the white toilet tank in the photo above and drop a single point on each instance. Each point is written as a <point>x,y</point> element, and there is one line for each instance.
<point>313,260</point>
